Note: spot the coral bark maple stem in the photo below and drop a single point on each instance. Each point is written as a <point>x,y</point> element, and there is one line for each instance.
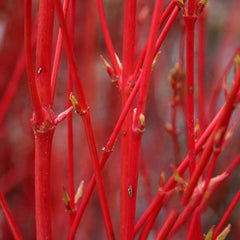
<point>201,71</point>
<point>10,220</point>
<point>151,220</point>
<point>57,55</point>
<point>43,144</point>
<point>139,121</point>
<point>191,7</point>
<point>181,169</point>
<point>226,215</point>
<point>70,122</point>
<point>128,203</point>
<point>44,51</point>
<point>140,61</point>
<point>107,37</point>
<point>29,61</point>
<point>42,124</point>
<point>190,26</point>
<point>104,157</point>
<point>44,134</point>
<point>168,225</point>
<point>108,148</point>
<point>222,122</point>
<point>86,121</point>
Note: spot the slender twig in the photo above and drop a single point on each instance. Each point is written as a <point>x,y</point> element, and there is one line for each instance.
<point>151,220</point>
<point>216,91</point>
<point>107,37</point>
<point>201,71</point>
<point>140,61</point>
<point>168,225</point>
<point>57,55</point>
<point>223,120</point>
<point>12,86</point>
<point>70,122</point>
<point>86,121</point>
<point>29,61</point>
<point>10,220</point>
<point>106,154</point>
<point>190,26</point>
<point>201,202</point>
<point>181,169</point>
<point>194,231</point>
<point>226,215</point>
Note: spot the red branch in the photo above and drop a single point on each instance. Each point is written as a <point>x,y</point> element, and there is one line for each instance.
<point>10,220</point>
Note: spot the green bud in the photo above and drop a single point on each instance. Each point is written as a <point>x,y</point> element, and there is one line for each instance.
<point>224,233</point>
<point>210,233</point>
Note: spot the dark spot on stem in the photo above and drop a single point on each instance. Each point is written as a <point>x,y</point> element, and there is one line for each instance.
<point>190,90</point>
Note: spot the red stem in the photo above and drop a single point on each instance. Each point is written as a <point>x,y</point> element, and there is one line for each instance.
<point>139,122</point>
<point>128,41</point>
<point>70,123</point>
<point>190,25</point>
<point>181,169</point>
<point>155,203</point>
<point>187,211</point>
<point>234,164</point>
<point>14,80</point>
<point>229,169</point>
<point>166,28</point>
<point>226,215</point>
<point>147,68</point>
<point>29,61</point>
<point>145,76</point>
<point>190,208</point>
<point>85,199</point>
<point>219,85</point>
<point>44,51</point>
<point>10,220</point>
<point>12,87</point>
<point>210,171</point>
<point>43,144</point>
<point>57,55</point>
<point>43,137</point>
<point>168,225</point>
<point>42,124</point>
<point>107,37</point>
<point>104,157</point>
<point>128,203</point>
<point>151,220</point>
<point>70,54</point>
<point>201,71</point>
<point>140,61</point>
<point>193,231</point>
<point>222,122</point>
<point>191,7</point>
<point>174,132</point>
<point>99,180</point>
<point>86,120</point>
